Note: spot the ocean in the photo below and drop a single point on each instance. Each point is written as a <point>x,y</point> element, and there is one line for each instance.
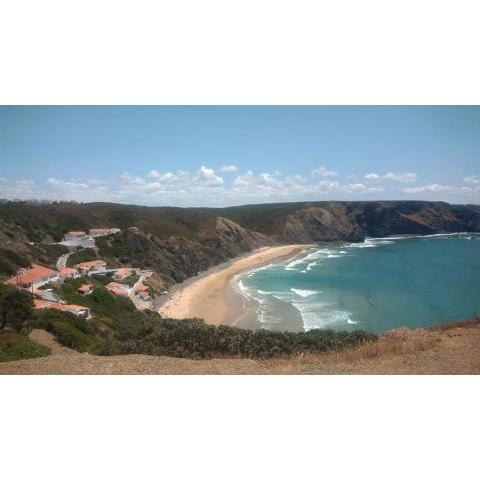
<point>377,285</point>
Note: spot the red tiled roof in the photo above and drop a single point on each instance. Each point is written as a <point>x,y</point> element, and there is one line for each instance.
<point>122,272</point>
<point>66,272</point>
<point>85,288</point>
<point>117,288</point>
<point>92,264</point>
<point>142,288</point>
<point>76,233</point>
<point>29,275</point>
<point>40,304</point>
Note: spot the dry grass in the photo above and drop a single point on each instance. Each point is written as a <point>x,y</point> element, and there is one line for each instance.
<point>399,342</point>
<point>449,349</point>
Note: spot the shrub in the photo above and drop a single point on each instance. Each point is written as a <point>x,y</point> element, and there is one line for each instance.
<point>193,338</point>
<point>16,307</point>
<point>69,330</point>
<point>14,346</point>
<point>10,261</point>
<point>84,255</point>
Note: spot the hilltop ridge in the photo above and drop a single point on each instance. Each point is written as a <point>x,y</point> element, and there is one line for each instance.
<point>177,243</point>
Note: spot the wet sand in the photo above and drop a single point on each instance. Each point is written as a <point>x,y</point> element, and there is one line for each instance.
<point>213,298</point>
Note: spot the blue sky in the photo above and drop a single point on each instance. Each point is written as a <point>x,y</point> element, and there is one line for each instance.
<point>216,156</point>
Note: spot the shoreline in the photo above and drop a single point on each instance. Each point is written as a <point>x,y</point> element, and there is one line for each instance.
<point>212,297</point>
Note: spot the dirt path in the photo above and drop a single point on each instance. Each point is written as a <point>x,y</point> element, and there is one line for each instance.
<point>455,350</point>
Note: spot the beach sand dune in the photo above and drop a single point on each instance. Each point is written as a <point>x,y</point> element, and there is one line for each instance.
<point>211,297</point>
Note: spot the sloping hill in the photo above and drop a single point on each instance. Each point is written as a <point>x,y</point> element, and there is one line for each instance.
<point>179,242</point>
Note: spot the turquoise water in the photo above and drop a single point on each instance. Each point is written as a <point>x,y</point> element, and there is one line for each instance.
<point>376,285</point>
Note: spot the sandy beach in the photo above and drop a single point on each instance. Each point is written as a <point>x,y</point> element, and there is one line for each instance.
<point>212,297</point>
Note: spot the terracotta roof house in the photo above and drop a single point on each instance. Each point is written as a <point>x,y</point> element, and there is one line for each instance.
<point>78,310</point>
<point>142,288</point>
<point>34,277</point>
<point>86,267</point>
<point>122,273</point>
<point>85,289</point>
<point>68,272</point>
<point>117,288</point>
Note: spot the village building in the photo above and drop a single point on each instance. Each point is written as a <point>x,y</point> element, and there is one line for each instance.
<point>73,235</point>
<point>142,288</point>
<point>94,265</point>
<point>69,273</point>
<point>78,238</point>
<point>34,277</point>
<point>85,289</point>
<point>143,295</point>
<point>123,273</point>
<point>100,232</point>
<point>78,310</point>
<point>118,288</point>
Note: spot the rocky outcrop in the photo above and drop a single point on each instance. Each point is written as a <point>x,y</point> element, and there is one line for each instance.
<point>316,224</point>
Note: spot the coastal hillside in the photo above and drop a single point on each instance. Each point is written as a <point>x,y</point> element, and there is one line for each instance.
<point>177,243</point>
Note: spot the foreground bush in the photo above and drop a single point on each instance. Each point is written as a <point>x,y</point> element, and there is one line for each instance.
<point>14,346</point>
<point>69,330</point>
<point>193,338</point>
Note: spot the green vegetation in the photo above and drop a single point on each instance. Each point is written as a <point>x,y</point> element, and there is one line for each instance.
<point>14,346</point>
<point>118,328</point>
<point>47,254</point>
<point>16,307</point>
<point>84,255</point>
<point>102,279</point>
<point>69,330</point>
<point>131,280</point>
<point>112,247</point>
<point>193,338</point>
<point>10,261</point>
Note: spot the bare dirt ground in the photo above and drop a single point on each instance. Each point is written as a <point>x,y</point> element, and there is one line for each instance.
<point>450,350</point>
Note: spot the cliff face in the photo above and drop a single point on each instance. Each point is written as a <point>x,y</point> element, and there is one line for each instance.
<point>379,219</point>
<point>178,243</point>
<point>316,224</point>
<point>176,258</point>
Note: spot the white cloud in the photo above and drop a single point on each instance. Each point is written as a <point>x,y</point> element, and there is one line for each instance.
<point>401,177</point>
<point>206,187</point>
<point>207,177</point>
<point>432,188</point>
<point>372,177</point>
<point>163,177</point>
<point>229,168</point>
<point>153,174</point>
<point>61,184</point>
<point>471,181</point>
<point>323,172</point>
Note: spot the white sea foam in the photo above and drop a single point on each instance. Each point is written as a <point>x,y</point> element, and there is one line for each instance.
<point>303,293</point>
<point>321,315</point>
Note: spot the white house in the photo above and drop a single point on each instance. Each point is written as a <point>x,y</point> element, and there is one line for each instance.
<point>101,232</point>
<point>78,239</point>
